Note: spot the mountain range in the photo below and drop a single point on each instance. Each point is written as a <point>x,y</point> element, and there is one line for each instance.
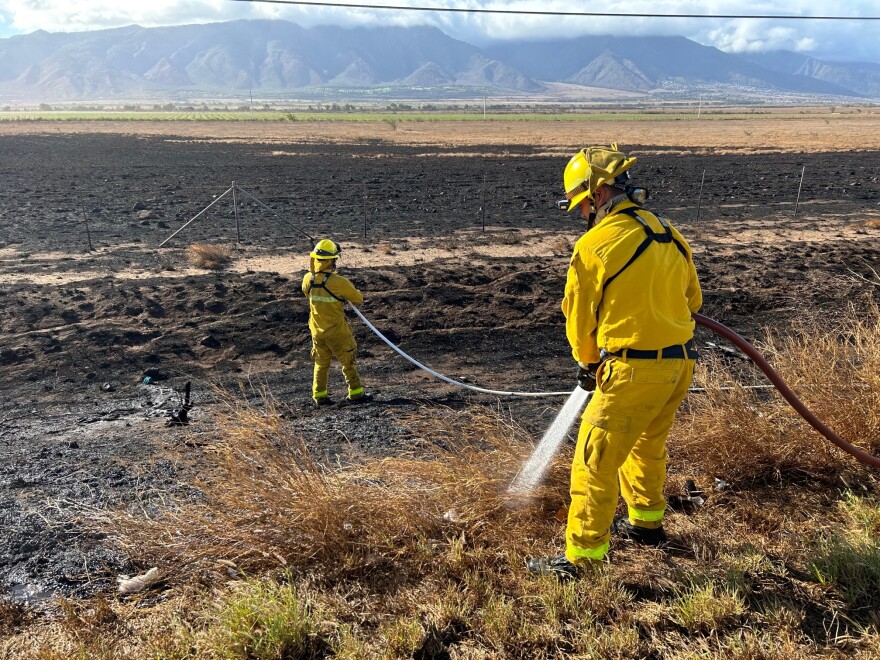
<point>277,58</point>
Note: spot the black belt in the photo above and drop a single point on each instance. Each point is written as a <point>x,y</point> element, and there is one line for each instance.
<point>678,351</point>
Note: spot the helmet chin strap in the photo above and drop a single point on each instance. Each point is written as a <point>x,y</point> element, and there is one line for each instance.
<point>603,210</point>
<point>591,218</point>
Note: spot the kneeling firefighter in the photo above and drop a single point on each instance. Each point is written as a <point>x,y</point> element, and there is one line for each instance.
<point>629,294</point>
<point>327,292</point>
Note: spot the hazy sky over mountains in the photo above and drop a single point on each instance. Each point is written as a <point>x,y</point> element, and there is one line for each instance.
<point>836,40</point>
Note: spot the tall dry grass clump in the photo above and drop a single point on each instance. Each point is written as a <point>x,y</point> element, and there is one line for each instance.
<point>422,556</point>
<point>208,256</point>
<point>755,435</point>
<point>269,504</point>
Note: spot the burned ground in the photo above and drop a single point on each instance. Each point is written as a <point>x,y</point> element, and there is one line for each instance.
<point>80,329</point>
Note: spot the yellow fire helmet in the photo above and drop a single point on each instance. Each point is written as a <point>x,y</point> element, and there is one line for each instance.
<point>325,250</point>
<point>590,168</point>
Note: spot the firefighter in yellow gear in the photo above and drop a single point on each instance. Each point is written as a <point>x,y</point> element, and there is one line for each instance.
<point>327,292</point>
<point>629,294</point>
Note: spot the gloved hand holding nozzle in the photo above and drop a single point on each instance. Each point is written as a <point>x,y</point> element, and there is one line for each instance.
<point>586,375</point>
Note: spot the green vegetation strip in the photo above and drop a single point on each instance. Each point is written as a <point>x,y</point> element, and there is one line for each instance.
<point>388,117</point>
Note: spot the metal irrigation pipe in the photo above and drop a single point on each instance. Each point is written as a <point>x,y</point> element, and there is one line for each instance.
<point>860,454</point>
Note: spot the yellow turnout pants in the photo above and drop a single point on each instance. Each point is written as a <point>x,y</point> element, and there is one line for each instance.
<point>343,347</point>
<point>623,436</point>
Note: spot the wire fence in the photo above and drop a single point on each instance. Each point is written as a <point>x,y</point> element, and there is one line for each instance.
<point>372,200</point>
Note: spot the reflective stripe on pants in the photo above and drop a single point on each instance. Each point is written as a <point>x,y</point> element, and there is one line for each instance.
<point>344,349</point>
<point>623,437</point>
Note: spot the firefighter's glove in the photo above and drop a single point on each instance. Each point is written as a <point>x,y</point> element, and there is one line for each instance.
<point>586,375</point>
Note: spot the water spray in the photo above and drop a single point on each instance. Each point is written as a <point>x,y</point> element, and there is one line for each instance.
<point>532,473</point>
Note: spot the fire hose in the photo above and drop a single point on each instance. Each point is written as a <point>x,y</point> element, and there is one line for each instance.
<point>782,387</point>
<point>859,454</point>
<point>451,381</point>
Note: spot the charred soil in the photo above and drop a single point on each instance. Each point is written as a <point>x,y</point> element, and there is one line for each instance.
<point>461,255</point>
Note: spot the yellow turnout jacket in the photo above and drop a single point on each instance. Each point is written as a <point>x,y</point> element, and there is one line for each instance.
<point>327,291</point>
<point>613,301</point>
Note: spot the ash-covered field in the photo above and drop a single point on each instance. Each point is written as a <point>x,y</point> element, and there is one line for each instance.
<point>92,305</point>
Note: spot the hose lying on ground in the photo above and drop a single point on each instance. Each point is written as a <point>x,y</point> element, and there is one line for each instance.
<point>441,376</point>
<point>786,392</point>
<point>474,388</point>
<point>719,329</point>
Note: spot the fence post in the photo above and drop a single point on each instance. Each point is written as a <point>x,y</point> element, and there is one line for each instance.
<point>88,231</point>
<point>483,204</point>
<point>235,208</point>
<point>800,185</point>
<point>700,198</point>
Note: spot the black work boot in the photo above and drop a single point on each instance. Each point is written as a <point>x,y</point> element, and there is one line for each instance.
<point>623,528</point>
<point>322,402</point>
<point>360,398</point>
<point>558,567</point>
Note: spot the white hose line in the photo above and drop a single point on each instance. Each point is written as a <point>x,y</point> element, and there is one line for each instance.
<point>497,392</point>
<point>445,378</point>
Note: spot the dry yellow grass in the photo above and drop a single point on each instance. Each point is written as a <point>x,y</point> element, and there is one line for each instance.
<point>208,256</point>
<point>813,131</point>
<point>423,555</point>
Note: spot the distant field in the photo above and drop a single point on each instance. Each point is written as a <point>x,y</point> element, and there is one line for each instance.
<point>262,116</point>
<point>728,130</point>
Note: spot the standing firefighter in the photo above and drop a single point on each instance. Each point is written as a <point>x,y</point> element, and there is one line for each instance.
<point>327,292</point>
<point>629,295</point>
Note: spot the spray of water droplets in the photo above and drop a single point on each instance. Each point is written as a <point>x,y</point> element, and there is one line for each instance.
<point>532,473</point>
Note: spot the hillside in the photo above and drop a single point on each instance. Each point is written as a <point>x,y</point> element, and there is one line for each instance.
<point>274,58</point>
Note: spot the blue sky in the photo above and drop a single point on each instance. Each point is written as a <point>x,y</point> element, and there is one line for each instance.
<point>835,40</point>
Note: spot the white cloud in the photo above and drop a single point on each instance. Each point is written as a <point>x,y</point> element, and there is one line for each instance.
<point>745,38</point>
<point>836,39</point>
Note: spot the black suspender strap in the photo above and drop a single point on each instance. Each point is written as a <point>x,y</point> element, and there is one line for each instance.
<point>651,237</point>
<point>323,285</point>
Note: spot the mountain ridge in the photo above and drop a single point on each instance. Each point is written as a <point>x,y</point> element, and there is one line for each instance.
<point>274,57</point>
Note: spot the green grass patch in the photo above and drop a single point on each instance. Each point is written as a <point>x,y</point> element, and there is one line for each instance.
<point>849,557</point>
